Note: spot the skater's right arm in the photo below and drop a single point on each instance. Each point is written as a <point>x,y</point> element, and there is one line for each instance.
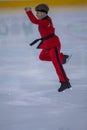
<point>33,19</point>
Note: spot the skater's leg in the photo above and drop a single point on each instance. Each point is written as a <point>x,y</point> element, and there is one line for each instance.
<point>55,58</point>
<point>44,55</point>
<point>61,57</point>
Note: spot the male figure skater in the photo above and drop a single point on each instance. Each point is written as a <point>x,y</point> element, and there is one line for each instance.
<point>50,43</point>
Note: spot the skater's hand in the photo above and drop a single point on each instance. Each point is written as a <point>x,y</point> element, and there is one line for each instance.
<point>27,9</point>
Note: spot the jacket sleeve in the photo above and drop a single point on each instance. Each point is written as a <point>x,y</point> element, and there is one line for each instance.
<point>34,20</point>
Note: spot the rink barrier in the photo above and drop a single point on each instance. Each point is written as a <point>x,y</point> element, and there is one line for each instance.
<point>23,3</point>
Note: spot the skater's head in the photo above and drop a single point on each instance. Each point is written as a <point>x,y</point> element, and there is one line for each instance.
<point>41,11</point>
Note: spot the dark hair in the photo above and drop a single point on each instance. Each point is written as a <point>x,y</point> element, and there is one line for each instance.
<point>42,8</point>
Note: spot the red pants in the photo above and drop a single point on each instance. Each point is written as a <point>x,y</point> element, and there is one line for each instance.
<point>56,57</point>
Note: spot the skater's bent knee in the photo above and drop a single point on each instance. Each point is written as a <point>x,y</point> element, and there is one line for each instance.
<point>40,57</point>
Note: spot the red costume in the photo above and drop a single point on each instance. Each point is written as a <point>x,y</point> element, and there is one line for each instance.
<point>50,46</point>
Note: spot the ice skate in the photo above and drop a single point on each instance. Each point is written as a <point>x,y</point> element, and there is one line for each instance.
<point>66,59</point>
<point>64,85</point>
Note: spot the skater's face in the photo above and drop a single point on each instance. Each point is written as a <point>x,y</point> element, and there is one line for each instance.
<point>40,15</point>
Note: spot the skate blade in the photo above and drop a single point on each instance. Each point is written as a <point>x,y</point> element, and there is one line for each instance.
<point>68,58</point>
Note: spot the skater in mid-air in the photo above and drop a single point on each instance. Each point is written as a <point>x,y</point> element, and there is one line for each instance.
<point>49,43</point>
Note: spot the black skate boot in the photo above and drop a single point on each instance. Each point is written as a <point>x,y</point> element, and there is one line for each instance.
<point>66,57</point>
<point>64,85</point>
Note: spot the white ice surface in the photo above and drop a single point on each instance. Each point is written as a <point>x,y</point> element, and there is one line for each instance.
<point>28,87</point>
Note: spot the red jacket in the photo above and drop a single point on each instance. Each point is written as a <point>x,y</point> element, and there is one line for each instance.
<point>45,28</point>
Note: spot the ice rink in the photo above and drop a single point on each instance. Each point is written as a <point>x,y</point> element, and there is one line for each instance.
<point>29,99</point>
